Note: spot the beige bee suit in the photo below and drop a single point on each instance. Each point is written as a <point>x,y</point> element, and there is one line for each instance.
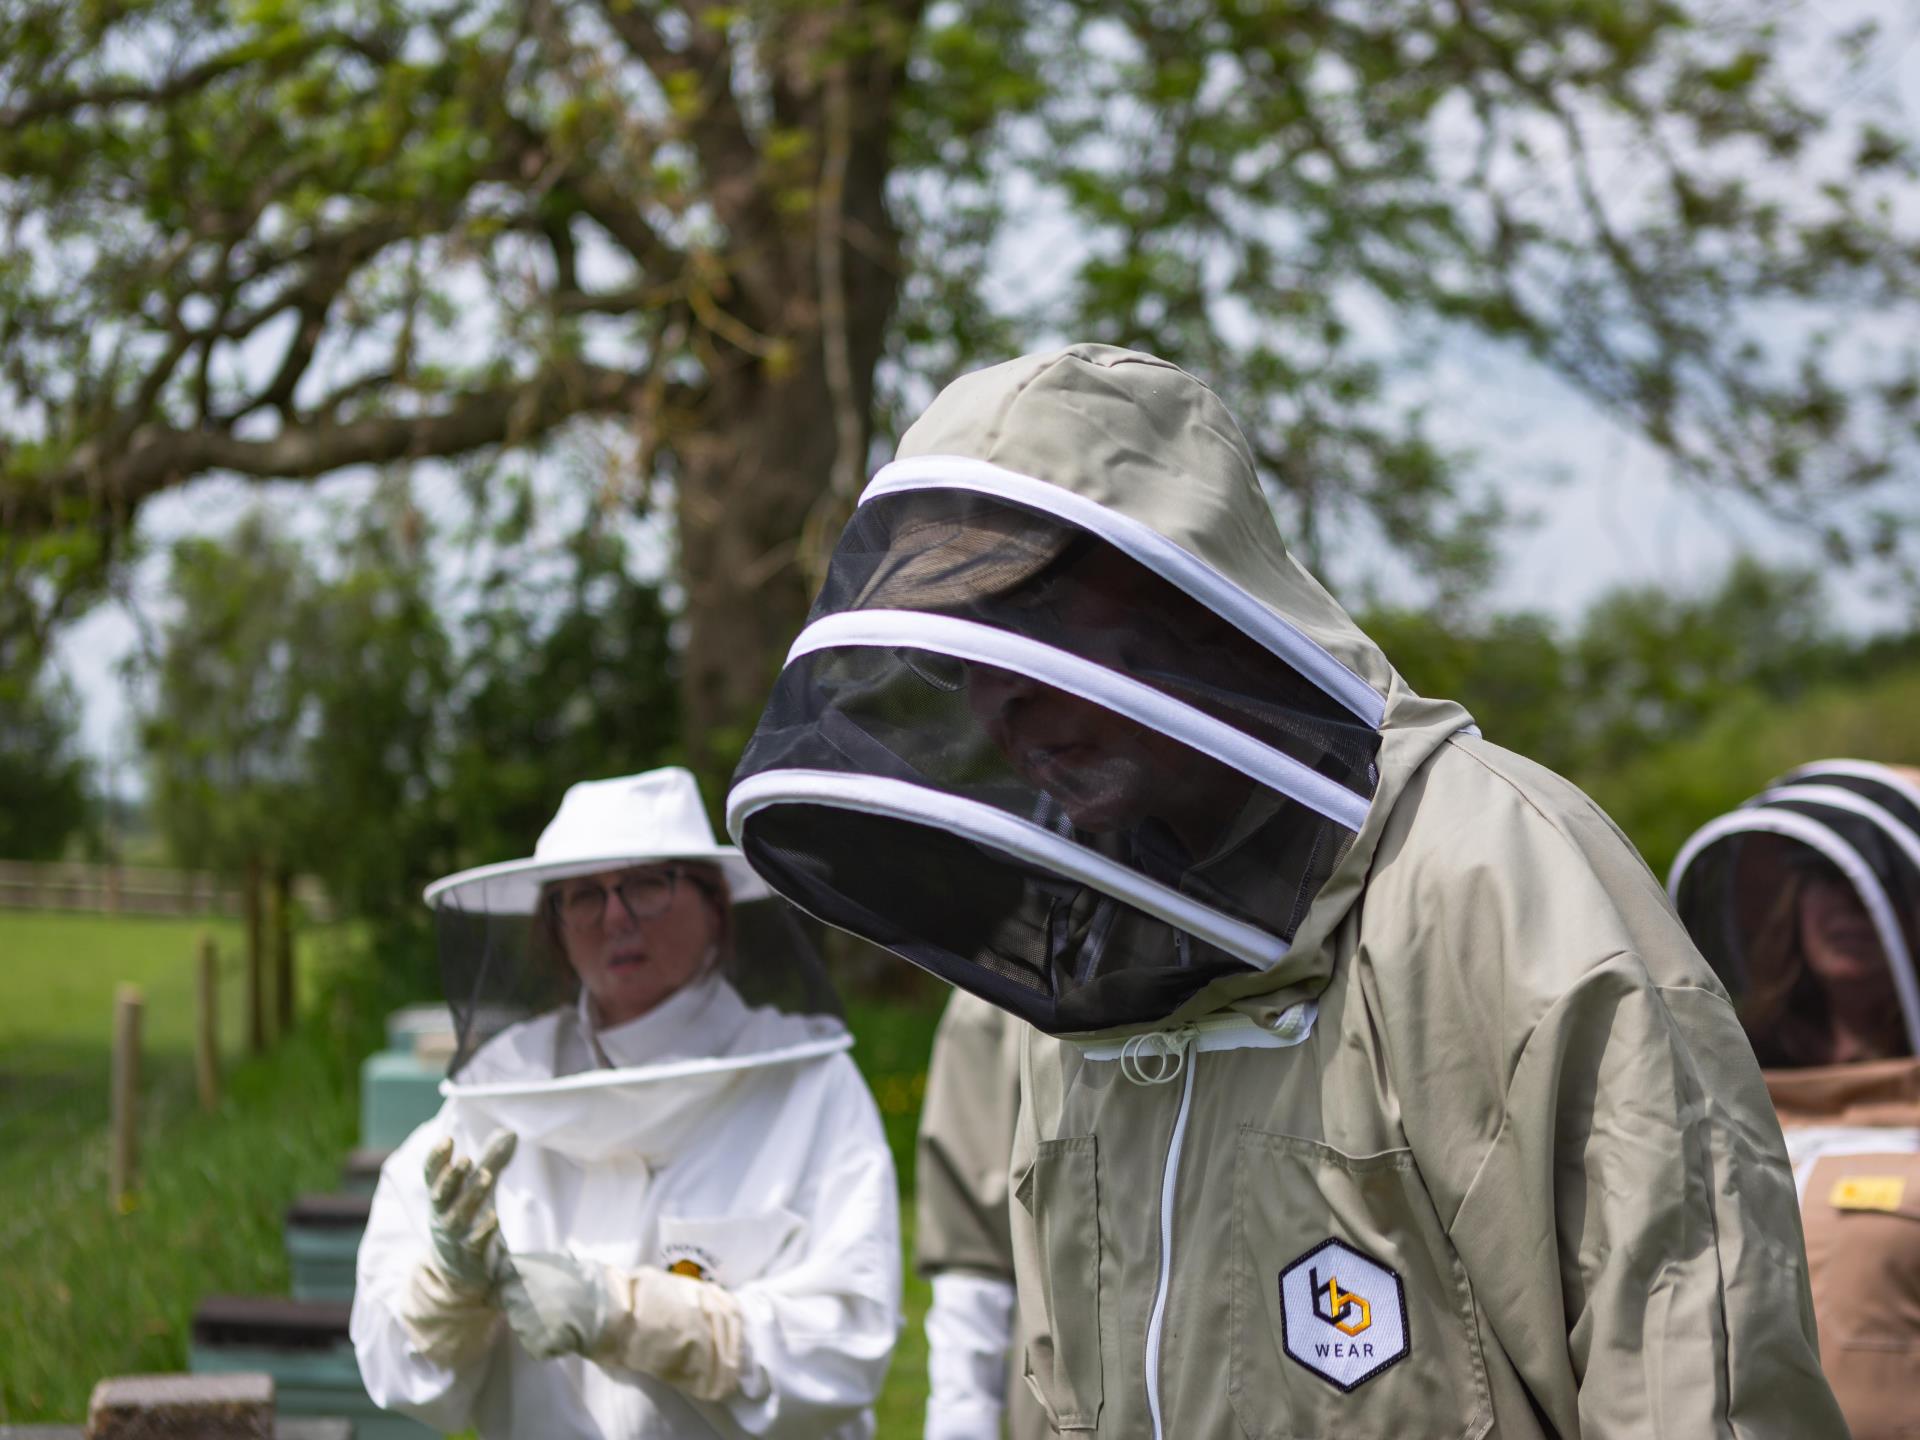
<point>962,1239</point>
<point>1854,1133</point>
<point>1519,1175</point>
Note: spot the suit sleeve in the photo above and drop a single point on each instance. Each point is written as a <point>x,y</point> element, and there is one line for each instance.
<point>966,1141</point>
<point>962,1240</point>
<point>1632,1230</point>
<point>818,1334</point>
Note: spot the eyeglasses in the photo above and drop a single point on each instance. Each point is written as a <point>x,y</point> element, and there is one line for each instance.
<point>644,894</point>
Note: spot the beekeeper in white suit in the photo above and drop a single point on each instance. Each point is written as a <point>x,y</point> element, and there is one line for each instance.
<point>661,1206</point>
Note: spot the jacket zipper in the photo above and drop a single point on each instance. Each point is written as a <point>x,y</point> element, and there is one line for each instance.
<point>1178,1051</point>
<point>1168,1180</point>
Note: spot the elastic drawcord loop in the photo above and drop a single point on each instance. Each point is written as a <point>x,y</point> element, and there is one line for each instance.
<point>1167,1048</point>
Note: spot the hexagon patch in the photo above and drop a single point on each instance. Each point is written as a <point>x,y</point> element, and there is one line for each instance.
<point>1343,1315</point>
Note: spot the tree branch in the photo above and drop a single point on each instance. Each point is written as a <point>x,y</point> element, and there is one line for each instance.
<point>728,153</point>
<point>157,456</point>
<point>197,77</point>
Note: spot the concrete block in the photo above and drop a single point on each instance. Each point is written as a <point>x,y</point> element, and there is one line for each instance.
<point>173,1407</point>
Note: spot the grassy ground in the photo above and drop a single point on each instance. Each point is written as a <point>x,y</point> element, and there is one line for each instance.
<point>891,1043</point>
<point>56,1023</point>
<point>87,1292</point>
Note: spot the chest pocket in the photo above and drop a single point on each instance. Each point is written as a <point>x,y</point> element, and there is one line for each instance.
<point>1862,1220</point>
<point>1352,1317</point>
<point>728,1249</point>
<point>1063,1362</point>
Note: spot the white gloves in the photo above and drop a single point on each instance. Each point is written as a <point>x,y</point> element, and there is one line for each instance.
<point>448,1304</point>
<point>684,1331</point>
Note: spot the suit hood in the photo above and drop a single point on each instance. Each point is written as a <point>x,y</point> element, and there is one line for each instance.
<point>1086,523</point>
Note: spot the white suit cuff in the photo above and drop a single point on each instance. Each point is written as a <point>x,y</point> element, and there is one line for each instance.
<point>969,1333</point>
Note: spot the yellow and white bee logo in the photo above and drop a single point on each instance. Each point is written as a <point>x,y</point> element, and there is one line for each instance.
<point>691,1261</point>
<point>1343,1315</point>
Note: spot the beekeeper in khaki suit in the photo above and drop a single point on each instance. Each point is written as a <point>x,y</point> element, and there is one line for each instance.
<point>1386,1097</point>
<point>962,1241</point>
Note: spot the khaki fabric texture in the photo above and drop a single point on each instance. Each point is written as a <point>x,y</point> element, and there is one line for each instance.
<point>1862,1216</point>
<point>964,1149</point>
<point>1526,1096</point>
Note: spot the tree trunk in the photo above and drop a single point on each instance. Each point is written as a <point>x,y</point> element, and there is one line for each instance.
<point>760,456</point>
<point>748,481</point>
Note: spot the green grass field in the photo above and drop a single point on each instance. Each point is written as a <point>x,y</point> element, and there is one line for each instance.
<point>87,1292</point>
<point>56,1023</point>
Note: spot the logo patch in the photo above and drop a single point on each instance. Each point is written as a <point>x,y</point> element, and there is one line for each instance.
<point>691,1261</point>
<point>1868,1192</point>
<point>1343,1315</point>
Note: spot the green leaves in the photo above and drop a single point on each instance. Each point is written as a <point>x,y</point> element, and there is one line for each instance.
<point>365,228</point>
<point>1312,188</point>
<point>399,701</point>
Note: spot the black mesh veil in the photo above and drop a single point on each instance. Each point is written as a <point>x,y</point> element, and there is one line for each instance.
<point>504,952</point>
<point>1806,903</point>
<point>1013,752</point>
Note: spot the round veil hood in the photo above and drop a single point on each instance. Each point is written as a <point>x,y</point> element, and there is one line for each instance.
<point>609,1027</point>
<point>1067,725</point>
<point>1737,881</point>
<point>648,1087</point>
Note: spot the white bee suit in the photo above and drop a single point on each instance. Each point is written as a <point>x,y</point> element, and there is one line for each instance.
<point>734,1144</point>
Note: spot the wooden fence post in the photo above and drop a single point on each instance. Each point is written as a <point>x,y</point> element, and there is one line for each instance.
<point>256,962</point>
<point>283,991</point>
<point>206,1035</point>
<point>123,1172</point>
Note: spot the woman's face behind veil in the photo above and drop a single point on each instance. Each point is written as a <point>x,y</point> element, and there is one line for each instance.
<point>635,936</point>
<point>1823,992</point>
<point>1837,936</point>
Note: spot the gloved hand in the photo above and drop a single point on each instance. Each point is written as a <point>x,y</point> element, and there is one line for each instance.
<point>447,1307</point>
<point>684,1331</point>
<point>556,1304</point>
<point>461,1222</point>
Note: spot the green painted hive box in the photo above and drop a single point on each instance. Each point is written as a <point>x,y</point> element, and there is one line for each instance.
<point>303,1345</point>
<point>398,1093</point>
<point>323,1238</point>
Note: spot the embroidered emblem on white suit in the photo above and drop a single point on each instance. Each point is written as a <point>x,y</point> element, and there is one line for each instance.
<point>1343,1315</point>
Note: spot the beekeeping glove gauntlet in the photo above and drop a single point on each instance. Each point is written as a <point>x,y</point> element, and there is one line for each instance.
<point>684,1331</point>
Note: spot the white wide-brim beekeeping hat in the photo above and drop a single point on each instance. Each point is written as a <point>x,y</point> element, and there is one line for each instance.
<point>604,825</point>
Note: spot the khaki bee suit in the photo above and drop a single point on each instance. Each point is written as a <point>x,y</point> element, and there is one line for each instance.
<point>1524,1152</point>
<point>1854,1131</point>
<point>965,1144</point>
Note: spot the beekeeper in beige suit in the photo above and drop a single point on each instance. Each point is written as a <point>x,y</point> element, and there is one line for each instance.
<point>962,1241</point>
<point>1385,1096</point>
